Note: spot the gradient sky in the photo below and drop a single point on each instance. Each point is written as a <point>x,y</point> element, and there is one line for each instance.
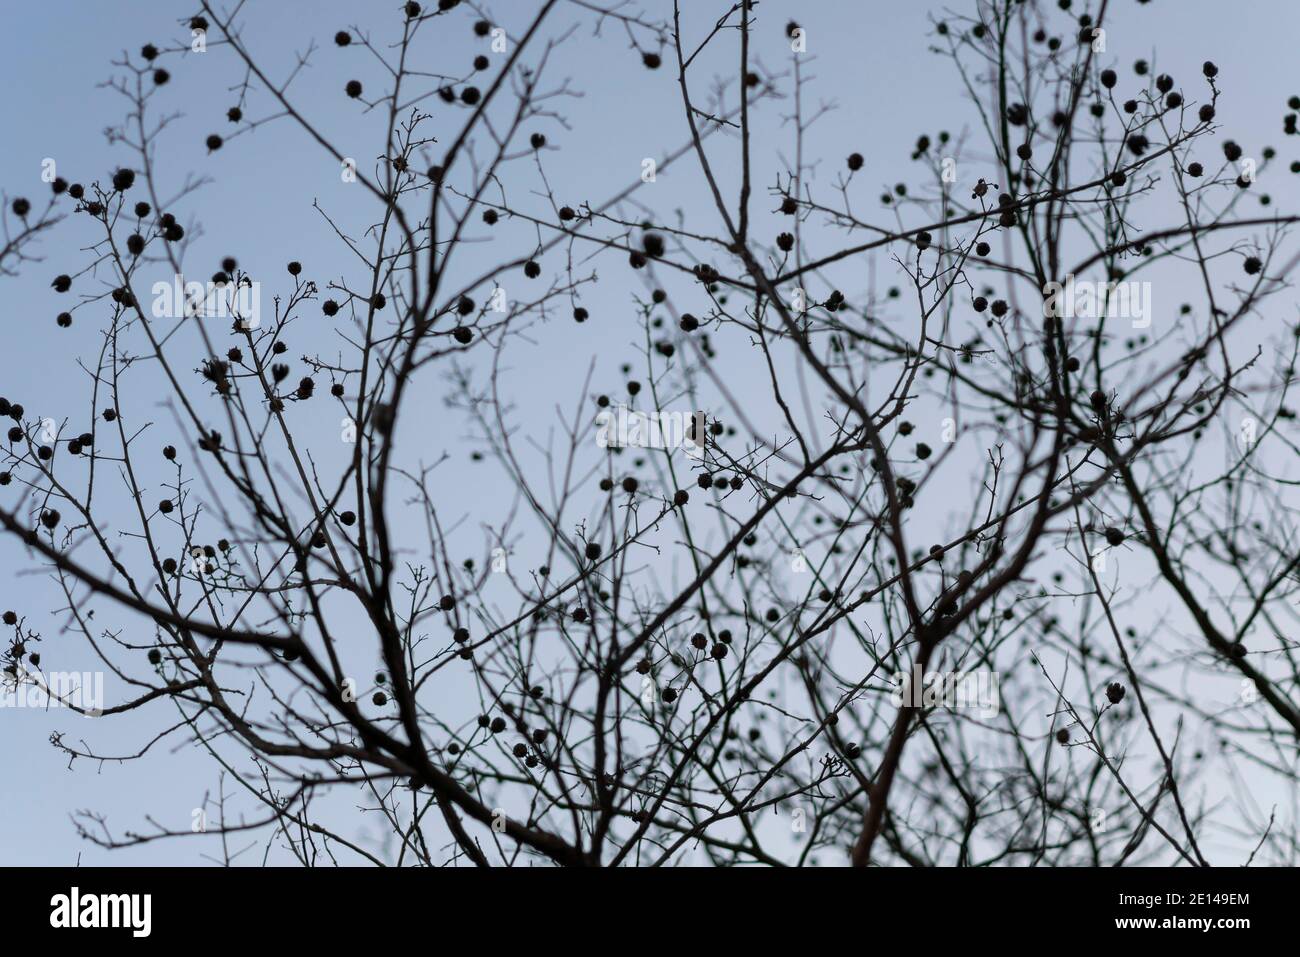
<point>871,61</point>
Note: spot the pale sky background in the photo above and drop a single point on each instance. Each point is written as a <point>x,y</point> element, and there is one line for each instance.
<point>872,60</point>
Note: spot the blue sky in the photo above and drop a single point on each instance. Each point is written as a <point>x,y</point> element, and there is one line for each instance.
<point>871,61</point>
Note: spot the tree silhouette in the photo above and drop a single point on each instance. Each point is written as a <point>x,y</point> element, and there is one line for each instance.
<point>897,609</point>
